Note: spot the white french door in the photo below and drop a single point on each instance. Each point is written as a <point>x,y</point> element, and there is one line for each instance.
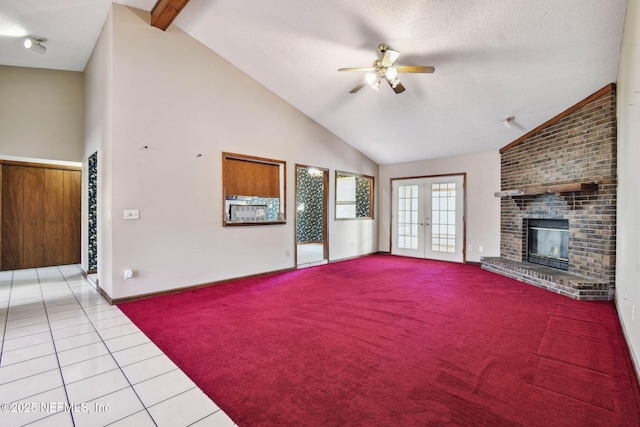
<point>428,217</point>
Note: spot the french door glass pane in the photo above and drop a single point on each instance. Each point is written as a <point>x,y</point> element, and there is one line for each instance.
<point>408,217</point>
<point>443,212</point>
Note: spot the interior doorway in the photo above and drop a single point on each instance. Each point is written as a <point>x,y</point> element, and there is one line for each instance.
<point>428,217</point>
<point>312,245</point>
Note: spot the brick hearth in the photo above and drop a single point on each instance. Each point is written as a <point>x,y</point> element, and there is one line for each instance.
<point>566,169</point>
<point>551,279</point>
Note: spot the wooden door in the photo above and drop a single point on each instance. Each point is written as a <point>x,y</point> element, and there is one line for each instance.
<point>12,216</point>
<point>72,214</point>
<point>33,223</point>
<point>41,209</point>
<point>54,230</point>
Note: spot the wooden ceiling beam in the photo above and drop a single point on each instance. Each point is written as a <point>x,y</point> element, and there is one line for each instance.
<point>165,11</point>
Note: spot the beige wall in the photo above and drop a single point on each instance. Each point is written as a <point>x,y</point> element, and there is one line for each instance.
<point>174,95</point>
<point>483,208</point>
<point>628,226</point>
<point>41,113</point>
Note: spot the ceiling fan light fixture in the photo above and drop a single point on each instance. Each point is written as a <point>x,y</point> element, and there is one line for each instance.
<point>385,68</point>
<point>391,73</point>
<point>35,44</point>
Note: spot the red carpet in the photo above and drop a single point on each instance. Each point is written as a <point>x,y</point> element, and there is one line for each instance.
<point>391,341</point>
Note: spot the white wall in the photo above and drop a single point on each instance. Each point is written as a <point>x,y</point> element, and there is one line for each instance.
<point>98,131</point>
<point>483,208</point>
<point>41,114</point>
<point>180,99</point>
<point>627,295</point>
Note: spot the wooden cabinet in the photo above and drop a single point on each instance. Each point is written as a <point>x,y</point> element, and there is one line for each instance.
<point>41,208</point>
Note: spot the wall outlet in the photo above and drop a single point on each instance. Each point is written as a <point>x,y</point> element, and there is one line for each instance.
<point>625,299</point>
<point>470,248</point>
<point>288,253</point>
<point>633,313</point>
<point>128,273</point>
<point>131,214</point>
<point>480,249</point>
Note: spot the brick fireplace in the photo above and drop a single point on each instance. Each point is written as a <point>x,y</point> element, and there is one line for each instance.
<point>563,170</point>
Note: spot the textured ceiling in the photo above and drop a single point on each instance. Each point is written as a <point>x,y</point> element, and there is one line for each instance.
<point>493,59</point>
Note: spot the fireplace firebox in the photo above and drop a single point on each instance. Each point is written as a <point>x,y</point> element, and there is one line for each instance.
<point>548,242</point>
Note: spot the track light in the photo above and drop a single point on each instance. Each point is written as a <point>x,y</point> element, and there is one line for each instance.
<point>507,122</point>
<point>35,44</point>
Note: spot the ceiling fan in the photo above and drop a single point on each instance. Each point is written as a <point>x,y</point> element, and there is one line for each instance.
<point>384,68</point>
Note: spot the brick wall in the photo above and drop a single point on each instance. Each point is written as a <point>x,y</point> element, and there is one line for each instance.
<point>580,147</point>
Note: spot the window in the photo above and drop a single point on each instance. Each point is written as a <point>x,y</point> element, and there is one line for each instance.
<point>354,196</point>
<point>253,190</point>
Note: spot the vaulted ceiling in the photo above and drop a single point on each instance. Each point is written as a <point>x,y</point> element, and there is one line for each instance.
<point>492,58</point>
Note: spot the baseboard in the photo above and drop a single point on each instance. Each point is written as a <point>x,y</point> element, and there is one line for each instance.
<point>104,295</point>
<point>352,257</point>
<point>635,362</point>
<point>192,287</point>
<point>464,262</point>
<point>217,282</point>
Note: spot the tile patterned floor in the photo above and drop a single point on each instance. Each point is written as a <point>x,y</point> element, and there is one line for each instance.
<point>310,254</point>
<point>68,358</point>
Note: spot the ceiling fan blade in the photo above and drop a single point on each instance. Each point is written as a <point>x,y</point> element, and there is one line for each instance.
<point>398,88</point>
<point>357,88</point>
<point>389,57</point>
<point>357,69</point>
<point>415,69</point>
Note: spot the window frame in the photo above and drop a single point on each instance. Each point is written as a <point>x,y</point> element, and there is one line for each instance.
<point>281,185</point>
<point>371,180</point>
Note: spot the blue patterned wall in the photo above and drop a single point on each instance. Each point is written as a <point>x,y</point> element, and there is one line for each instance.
<point>310,193</point>
<point>363,197</point>
<point>93,213</point>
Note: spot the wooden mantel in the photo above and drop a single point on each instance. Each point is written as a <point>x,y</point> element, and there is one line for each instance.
<point>574,187</point>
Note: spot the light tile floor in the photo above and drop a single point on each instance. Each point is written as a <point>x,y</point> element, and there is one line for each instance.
<point>310,254</point>
<point>68,358</point>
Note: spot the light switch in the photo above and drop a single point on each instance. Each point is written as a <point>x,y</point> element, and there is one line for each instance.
<point>131,214</point>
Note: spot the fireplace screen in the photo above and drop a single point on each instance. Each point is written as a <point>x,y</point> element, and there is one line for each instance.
<point>548,242</point>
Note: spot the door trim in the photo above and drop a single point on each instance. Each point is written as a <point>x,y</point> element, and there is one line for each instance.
<point>464,207</point>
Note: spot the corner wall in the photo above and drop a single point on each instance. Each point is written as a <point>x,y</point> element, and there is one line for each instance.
<point>187,105</point>
<point>628,231</point>
<point>98,139</point>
